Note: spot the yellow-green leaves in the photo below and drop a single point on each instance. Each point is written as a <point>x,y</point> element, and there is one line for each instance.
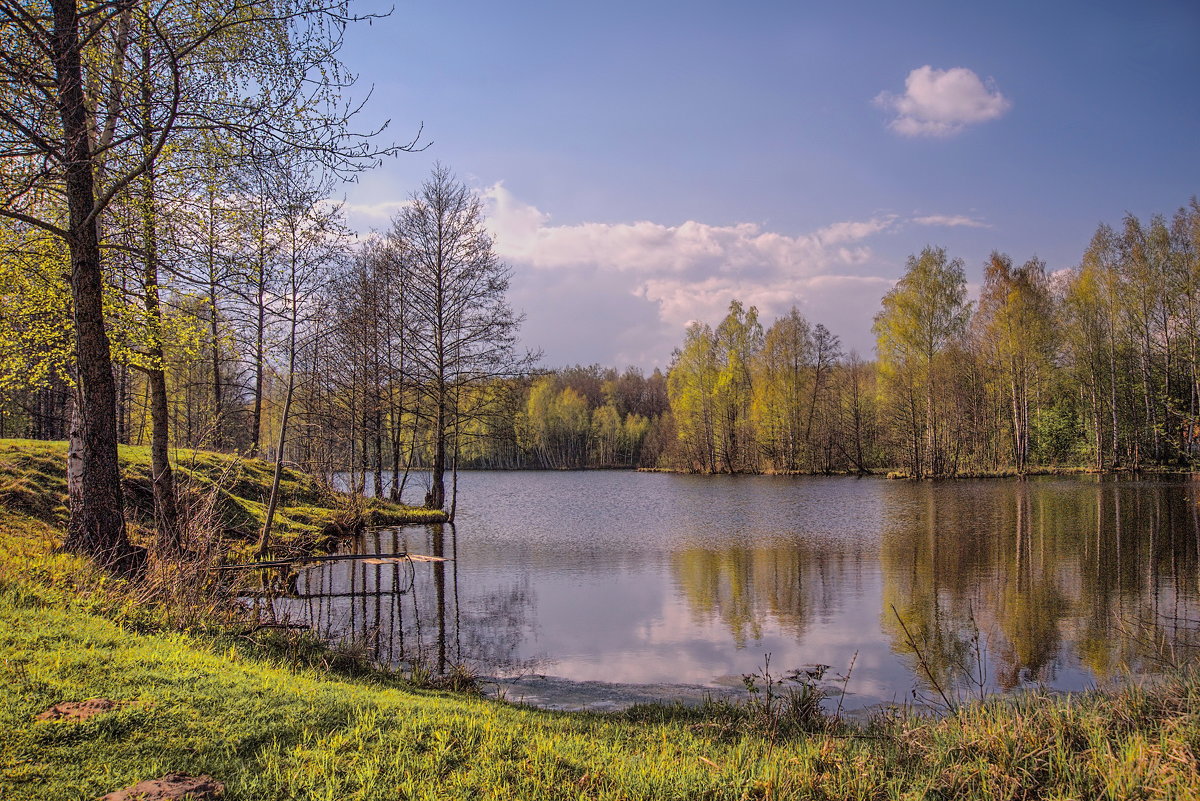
<point>921,317</point>
<point>35,330</point>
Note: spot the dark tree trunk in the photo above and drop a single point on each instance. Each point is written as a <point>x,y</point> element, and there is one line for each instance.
<point>166,513</point>
<point>97,525</point>
<point>214,323</point>
<point>436,497</point>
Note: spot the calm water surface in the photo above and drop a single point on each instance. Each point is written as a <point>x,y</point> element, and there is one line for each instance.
<point>644,578</point>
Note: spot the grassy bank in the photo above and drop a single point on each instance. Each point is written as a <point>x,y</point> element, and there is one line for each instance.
<point>32,480</point>
<point>274,717</point>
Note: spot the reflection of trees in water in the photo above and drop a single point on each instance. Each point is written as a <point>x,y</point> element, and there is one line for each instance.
<point>495,627</point>
<point>926,583</point>
<point>1143,544</point>
<point>1030,604</point>
<point>1108,567</point>
<point>789,583</point>
<point>404,612</point>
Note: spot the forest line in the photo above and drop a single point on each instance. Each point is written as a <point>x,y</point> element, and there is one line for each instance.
<point>1093,366</point>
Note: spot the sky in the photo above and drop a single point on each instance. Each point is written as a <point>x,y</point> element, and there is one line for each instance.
<point>644,163</point>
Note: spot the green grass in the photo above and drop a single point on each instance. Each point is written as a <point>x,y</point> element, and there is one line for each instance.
<point>264,714</point>
<point>33,480</point>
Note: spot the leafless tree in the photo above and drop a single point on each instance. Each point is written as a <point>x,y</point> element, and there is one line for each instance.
<point>462,332</point>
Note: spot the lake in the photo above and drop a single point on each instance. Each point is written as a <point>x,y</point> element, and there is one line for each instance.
<point>586,586</point>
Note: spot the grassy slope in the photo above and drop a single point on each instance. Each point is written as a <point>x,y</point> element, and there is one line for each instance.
<point>33,479</point>
<point>231,707</point>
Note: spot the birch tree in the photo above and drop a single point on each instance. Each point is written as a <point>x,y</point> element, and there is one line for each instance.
<point>923,314</point>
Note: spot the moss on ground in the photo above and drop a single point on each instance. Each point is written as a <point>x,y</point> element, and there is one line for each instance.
<point>33,480</point>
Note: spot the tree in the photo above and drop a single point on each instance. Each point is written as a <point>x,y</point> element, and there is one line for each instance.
<point>312,242</point>
<point>924,313</point>
<point>75,107</point>
<point>739,338</point>
<point>462,330</point>
<point>1013,323</point>
<point>1093,331</point>
<point>782,388</point>
<point>50,152</point>
<point>691,388</point>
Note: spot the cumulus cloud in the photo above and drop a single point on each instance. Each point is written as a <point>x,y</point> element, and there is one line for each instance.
<point>951,221</point>
<point>623,292</point>
<point>366,216</point>
<point>942,102</point>
<point>379,211</point>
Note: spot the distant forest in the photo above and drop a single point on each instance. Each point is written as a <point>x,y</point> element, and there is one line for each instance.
<point>1094,366</point>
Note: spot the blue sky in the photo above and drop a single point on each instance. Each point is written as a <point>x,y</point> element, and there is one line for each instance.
<point>645,162</point>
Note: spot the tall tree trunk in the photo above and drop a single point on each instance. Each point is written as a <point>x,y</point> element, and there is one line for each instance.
<point>1018,432</point>
<point>364,460</point>
<point>436,497</point>
<point>260,329</point>
<point>214,327</point>
<point>377,425</point>
<point>264,539</point>
<point>97,524</point>
<point>396,435</point>
<point>1112,384</point>
<point>123,393</point>
<point>454,461</point>
<point>74,453</point>
<point>166,513</point>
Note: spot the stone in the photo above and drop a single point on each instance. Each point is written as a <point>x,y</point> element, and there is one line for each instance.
<point>172,787</point>
<point>80,710</point>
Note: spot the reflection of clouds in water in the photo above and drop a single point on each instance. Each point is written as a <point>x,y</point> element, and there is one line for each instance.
<point>627,577</point>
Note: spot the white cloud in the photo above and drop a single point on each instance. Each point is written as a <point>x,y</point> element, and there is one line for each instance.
<point>633,287</point>
<point>364,216</point>
<point>942,102</point>
<point>951,221</point>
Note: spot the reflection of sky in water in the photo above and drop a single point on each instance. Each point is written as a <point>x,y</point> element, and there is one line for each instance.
<point>654,578</point>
